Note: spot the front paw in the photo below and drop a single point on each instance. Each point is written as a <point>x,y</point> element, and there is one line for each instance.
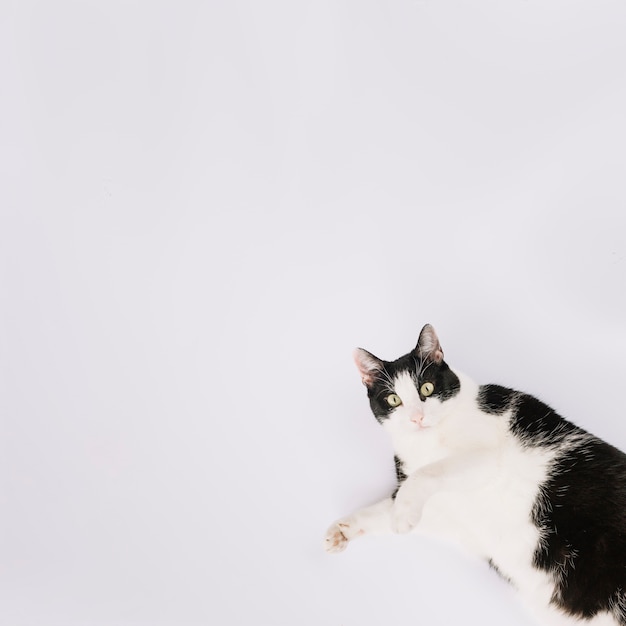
<point>405,516</point>
<point>339,534</point>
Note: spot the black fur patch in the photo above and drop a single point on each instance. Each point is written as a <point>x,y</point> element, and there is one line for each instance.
<point>581,511</point>
<point>495,399</point>
<point>400,475</point>
<point>536,424</point>
<point>532,421</point>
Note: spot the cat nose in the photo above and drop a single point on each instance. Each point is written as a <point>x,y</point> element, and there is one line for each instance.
<point>417,418</point>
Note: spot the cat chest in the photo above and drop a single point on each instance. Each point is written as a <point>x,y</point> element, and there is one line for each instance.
<point>412,455</point>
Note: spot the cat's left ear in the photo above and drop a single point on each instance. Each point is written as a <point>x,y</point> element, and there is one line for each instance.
<point>428,346</point>
<point>368,365</point>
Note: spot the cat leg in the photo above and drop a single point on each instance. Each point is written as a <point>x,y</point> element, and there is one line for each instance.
<point>460,473</point>
<point>371,519</point>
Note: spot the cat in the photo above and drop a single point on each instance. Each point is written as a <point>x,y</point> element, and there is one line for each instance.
<point>540,499</point>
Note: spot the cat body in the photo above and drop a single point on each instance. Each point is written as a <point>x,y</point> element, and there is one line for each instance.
<point>499,472</point>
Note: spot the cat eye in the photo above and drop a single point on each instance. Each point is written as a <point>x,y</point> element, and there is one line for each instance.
<point>427,389</point>
<point>394,400</point>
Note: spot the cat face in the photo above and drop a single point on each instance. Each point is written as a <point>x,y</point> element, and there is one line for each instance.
<point>409,393</point>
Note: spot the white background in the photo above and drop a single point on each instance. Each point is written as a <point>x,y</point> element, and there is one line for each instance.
<point>204,207</point>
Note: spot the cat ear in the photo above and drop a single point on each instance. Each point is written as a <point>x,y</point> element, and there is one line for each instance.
<point>428,346</point>
<point>368,365</point>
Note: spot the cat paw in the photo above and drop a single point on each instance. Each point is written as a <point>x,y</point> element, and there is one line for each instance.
<point>338,536</point>
<point>404,517</point>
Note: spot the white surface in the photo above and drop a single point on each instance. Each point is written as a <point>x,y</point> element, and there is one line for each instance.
<point>204,207</point>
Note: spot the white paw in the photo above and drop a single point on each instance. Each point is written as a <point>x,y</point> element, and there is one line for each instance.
<point>405,516</point>
<point>339,534</point>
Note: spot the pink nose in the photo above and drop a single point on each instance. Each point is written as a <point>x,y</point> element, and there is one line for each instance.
<point>417,418</point>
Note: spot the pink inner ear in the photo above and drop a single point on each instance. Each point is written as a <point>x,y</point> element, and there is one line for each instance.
<point>367,365</point>
<point>428,344</point>
<point>367,380</point>
<point>438,355</point>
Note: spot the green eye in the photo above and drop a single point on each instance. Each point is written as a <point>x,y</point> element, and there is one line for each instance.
<point>427,389</point>
<point>394,400</point>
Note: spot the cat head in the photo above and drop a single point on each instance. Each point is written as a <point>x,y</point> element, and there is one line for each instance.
<point>410,392</point>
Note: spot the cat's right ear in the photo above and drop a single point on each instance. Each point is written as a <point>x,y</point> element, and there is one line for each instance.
<point>368,365</point>
<point>428,346</point>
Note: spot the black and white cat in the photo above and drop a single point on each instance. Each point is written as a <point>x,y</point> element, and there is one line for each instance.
<point>498,470</point>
